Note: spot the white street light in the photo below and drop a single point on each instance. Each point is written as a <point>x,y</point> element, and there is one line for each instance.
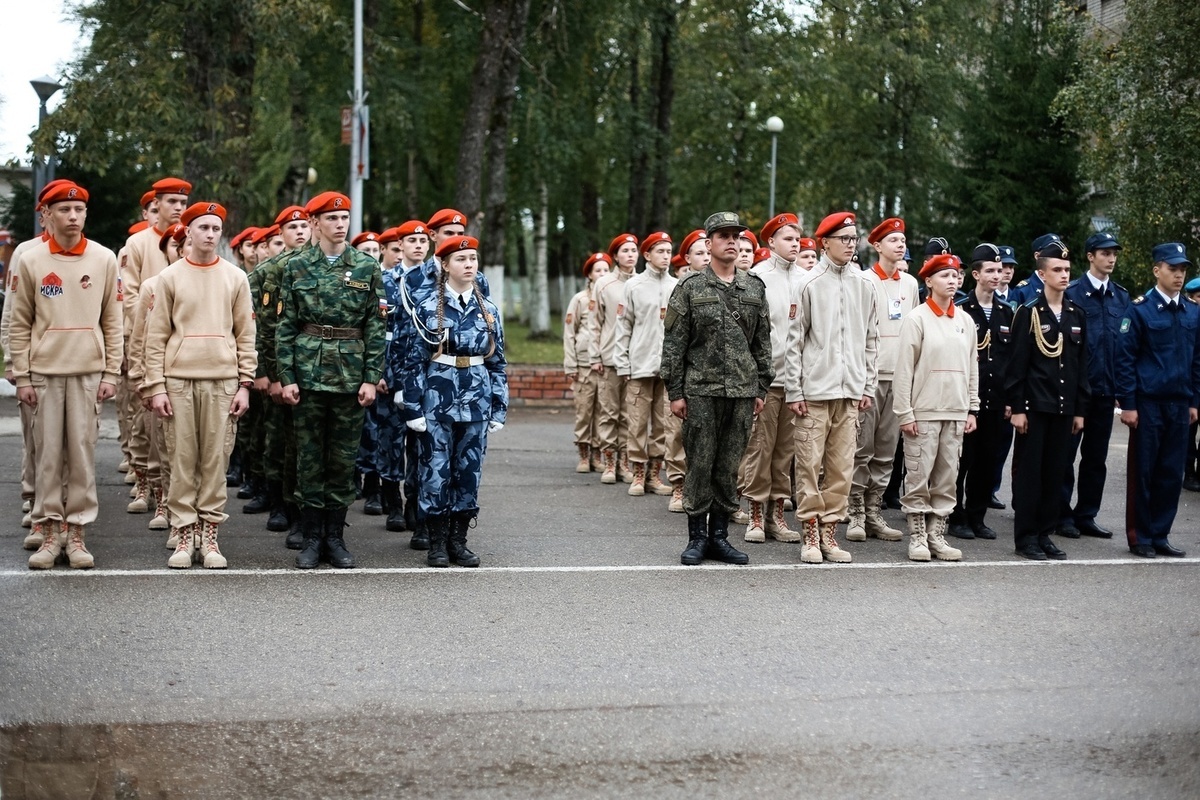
<point>775,127</point>
<point>46,87</point>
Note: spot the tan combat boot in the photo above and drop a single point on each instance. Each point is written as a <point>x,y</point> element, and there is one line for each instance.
<point>595,459</point>
<point>51,548</point>
<point>740,517</point>
<point>918,545</point>
<point>877,526</point>
<point>637,487</point>
<point>856,528</point>
<point>184,540</point>
<point>610,467</point>
<point>208,547</point>
<point>777,527</point>
<point>77,553</point>
<point>130,477</point>
<point>27,520</point>
<point>36,535</point>
<point>159,521</point>
<point>756,527</point>
<point>829,545</point>
<point>654,481</point>
<point>676,504</point>
<point>936,537</point>
<point>810,551</point>
<point>583,465</point>
<point>140,503</point>
<point>624,472</point>
<point>123,466</point>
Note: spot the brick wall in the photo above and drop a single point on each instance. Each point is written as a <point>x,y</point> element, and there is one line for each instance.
<point>530,385</point>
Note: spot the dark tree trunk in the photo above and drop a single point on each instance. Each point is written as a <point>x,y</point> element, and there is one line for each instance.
<point>412,194</point>
<point>495,214</point>
<point>639,161</point>
<point>664,89</point>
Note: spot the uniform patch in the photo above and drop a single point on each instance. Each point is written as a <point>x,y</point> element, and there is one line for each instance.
<point>120,288</point>
<point>662,313</point>
<point>51,286</point>
<point>383,308</point>
<point>620,309</point>
<point>591,305</point>
<point>266,299</point>
<point>1140,299</point>
<point>792,311</point>
<point>85,282</point>
<point>570,318</point>
<point>356,284</point>
<point>1004,329</point>
<point>279,307</point>
<point>1125,325</point>
<point>672,315</point>
<point>13,284</point>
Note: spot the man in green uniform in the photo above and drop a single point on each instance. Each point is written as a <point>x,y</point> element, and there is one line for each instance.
<point>329,347</point>
<point>716,362</point>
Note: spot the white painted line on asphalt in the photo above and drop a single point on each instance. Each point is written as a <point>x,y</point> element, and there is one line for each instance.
<point>277,571</point>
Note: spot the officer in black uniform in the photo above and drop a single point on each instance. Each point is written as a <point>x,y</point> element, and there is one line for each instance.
<point>1105,304</point>
<point>1046,386</point>
<point>1007,293</point>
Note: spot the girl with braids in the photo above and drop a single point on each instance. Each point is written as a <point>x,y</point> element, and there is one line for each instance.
<point>456,392</point>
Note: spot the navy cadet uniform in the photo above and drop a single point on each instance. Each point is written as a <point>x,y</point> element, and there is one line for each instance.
<point>1105,306</point>
<point>981,448</point>
<point>1050,390</point>
<point>1008,255</point>
<point>1158,376</point>
<point>389,461</point>
<point>460,389</point>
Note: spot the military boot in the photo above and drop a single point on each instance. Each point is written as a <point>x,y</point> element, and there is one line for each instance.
<point>979,527</point>
<point>123,467</point>
<point>756,530</point>
<point>740,517</point>
<point>77,553</point>
<point>637,487</point>
<point>935,528</point>
<point>777,527</point>
<point>312,525</point>
<point>876,525</point>
<point>719,548</point>
<point>335,545</point>
<point>233,475</point>
<point>185,547</point>
<point>676,504</point>
<point>918,542</point>
<point>438,530</point>
<point>37,535</point>
<point>624,471</point>
<point>856,528</point>
<point>210,553</point>
<point>829,546</point>
<point>51,547</point>
<point>140,503</point>
<point>159,521</point>
<point>278,520</point>
<point>810,550</point>
<point>295,535</point>
<point>372,503</point>
<point>609,475</point>
<point>393,499</point>
<point>130,478</point>
<point>260,503</point>
<point>693,554</point>
<point>27,519</point>
<point>583,465</point>
<point>249,487</point>
<point>456,541</point>
<point>654,481</point>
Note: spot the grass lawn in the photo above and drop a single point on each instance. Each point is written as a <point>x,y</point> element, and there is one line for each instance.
<point>520,349</point>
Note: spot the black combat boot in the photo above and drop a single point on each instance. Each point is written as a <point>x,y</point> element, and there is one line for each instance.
<point>719,548</point>
<point>233,475</point>
<point>394,502</point>
<point>335,546</point>
<point>456,548</point>
<point>372,503</point>
<point>410,513</point>
<point>249,487</point>
<point>295,535</point>
<point>420,537</point>
<point>979,527</point>
<point>312,526</point>
<point>278,521</point>
<point>259,502</point>
<point>697,541</point>
<point>438,530</point>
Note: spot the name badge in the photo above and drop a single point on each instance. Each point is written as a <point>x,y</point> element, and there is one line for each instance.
<point>356,284</point>
<point>894,310</point>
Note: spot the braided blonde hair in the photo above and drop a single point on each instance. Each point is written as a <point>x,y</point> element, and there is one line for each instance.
<point>441,313</point>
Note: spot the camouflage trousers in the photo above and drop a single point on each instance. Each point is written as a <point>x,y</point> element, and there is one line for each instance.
<point>251,437</point>
<point>364,460</point>
<point>715,435</point>
<point>279,448</point>
<point>451,467</point>
<point>390,437</point>
<point>328,426</point>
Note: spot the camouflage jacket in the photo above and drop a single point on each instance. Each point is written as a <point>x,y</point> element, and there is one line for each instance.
<point>345,294</point>
<point>267,306</point>
<point>451,393</point>
<point>717,339</point>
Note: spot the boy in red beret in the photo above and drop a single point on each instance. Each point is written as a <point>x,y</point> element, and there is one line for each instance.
<point>576,344</point>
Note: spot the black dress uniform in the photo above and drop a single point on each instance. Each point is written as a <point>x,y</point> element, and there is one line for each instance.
<point>1046,379</point>
<point>982,448</point>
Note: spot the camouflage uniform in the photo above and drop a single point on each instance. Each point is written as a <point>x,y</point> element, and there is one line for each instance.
<point>717,356</point>
<point>329,366</point>
<point>388,421</point>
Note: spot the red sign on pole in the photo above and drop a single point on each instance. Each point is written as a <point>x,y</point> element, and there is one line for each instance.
<point>347,123</point>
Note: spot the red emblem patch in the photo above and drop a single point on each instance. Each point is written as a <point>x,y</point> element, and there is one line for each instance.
<point>662,313</point>
<point>570,318</point>
<point>620,309</point>
<point>792,311</point>
<point>52,286</point>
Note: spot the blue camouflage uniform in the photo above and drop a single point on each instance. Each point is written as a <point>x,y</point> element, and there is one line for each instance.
<point>1157,375</point>
<point>457,399</point>
<point>384,417</point>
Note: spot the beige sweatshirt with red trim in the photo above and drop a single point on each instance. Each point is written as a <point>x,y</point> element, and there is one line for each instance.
<point>894,299</point>
<point>135,343</point>
<point>937,367</point>
<point>201,326</point>
<point>66,317</point>
<point>577,331</point>
<point>14,263</point>
<point>143,259</point>
<point>609,291</point>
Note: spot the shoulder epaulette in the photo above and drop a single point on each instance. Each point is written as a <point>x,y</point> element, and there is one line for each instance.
<point>1190,300</point>
<point>1023,283</point>
<point>689,276</point>
<point>1033,301</point>
<point>1002,301</point>
<point>964,300</point>
<point>1141,298</point>
<point>1116,285</point>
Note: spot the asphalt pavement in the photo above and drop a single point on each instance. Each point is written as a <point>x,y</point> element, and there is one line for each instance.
<point>582,661</point>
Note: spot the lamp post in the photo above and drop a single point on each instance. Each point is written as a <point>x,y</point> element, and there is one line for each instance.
<point>46,87</point>
<point>775,127</point>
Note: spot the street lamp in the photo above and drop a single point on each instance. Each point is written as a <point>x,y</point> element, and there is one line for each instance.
<point>46,87</point>
<point>775,127</point>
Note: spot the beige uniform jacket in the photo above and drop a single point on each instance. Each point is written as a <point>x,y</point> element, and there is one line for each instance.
<point>895,296</point>
<point>577,332</point>
<point>608,292</point>
<point>937,367</point>
<point>782,279</point>
<point>640,323</point>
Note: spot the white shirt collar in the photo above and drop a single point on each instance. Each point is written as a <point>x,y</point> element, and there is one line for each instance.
<point>1097,284</point>
<point>1174,299</point>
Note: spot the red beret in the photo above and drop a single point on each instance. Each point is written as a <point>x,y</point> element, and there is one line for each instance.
<point>175,231</point>
<point>50,187</point>
<point>202,209</point>
<point>834,222</point>
<point>678,262</point>
<point>762,254</point>
<point>147,198</point>
<point>594,259</point>
<point>749,236</point>
<point>327,202</point>
<point>456,243</point>
<point>658,237</point>
<point>616,243</point>
<point>447,216</point>
<point>691,239</point>
<point>776,222</point>
<point>171,186</point>
<point>938,263</point>
<point>138,226</point>
<point>237,241</point>
<point>412,228</point>
<point>365,236</point>
<point>264,234</point>
<point>63,192</point>
<point>889,225</point>
<point>290,214</point>
<point>389,235</point>
<point>808,244</point>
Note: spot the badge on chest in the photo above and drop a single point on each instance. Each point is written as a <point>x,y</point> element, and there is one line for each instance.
<point>353,284</point>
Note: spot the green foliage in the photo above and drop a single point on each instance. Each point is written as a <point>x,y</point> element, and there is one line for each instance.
<point>522,347</point>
